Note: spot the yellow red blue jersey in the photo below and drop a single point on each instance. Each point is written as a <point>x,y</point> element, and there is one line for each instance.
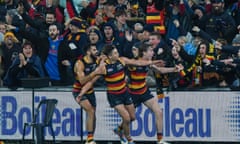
<point>115,77</point>
<point>137,79</point>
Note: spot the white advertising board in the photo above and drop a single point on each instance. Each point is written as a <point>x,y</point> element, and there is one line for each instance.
<point>188,116</point>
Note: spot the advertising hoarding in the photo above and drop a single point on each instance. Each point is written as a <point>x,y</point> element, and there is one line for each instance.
<point>188,116</point>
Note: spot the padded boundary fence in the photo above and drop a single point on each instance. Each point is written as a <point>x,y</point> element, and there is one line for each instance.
<point>17,103</point>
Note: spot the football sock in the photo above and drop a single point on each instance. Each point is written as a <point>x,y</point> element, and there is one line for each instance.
<point>90,137</point>
<point>159,136</point>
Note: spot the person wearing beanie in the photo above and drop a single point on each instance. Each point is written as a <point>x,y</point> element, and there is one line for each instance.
<point>76,23</point>
<point>10,49</point>
<point>95,37</point>
<point>77,38</point>
<point>79,23</point>
<point>96,31</point>
<point>199,16</point>
<point>11,35</point>
<point>110,37</point>
<point>109,24</point>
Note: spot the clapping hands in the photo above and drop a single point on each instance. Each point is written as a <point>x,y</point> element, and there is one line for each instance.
<point>23,62</point>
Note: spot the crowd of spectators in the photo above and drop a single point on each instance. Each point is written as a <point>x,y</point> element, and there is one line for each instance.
<point>202,35</point>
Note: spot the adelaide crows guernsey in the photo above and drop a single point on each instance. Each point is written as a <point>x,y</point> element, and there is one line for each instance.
<point>88,68</point>
<point>115,77</point>
<point>137,79</point>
